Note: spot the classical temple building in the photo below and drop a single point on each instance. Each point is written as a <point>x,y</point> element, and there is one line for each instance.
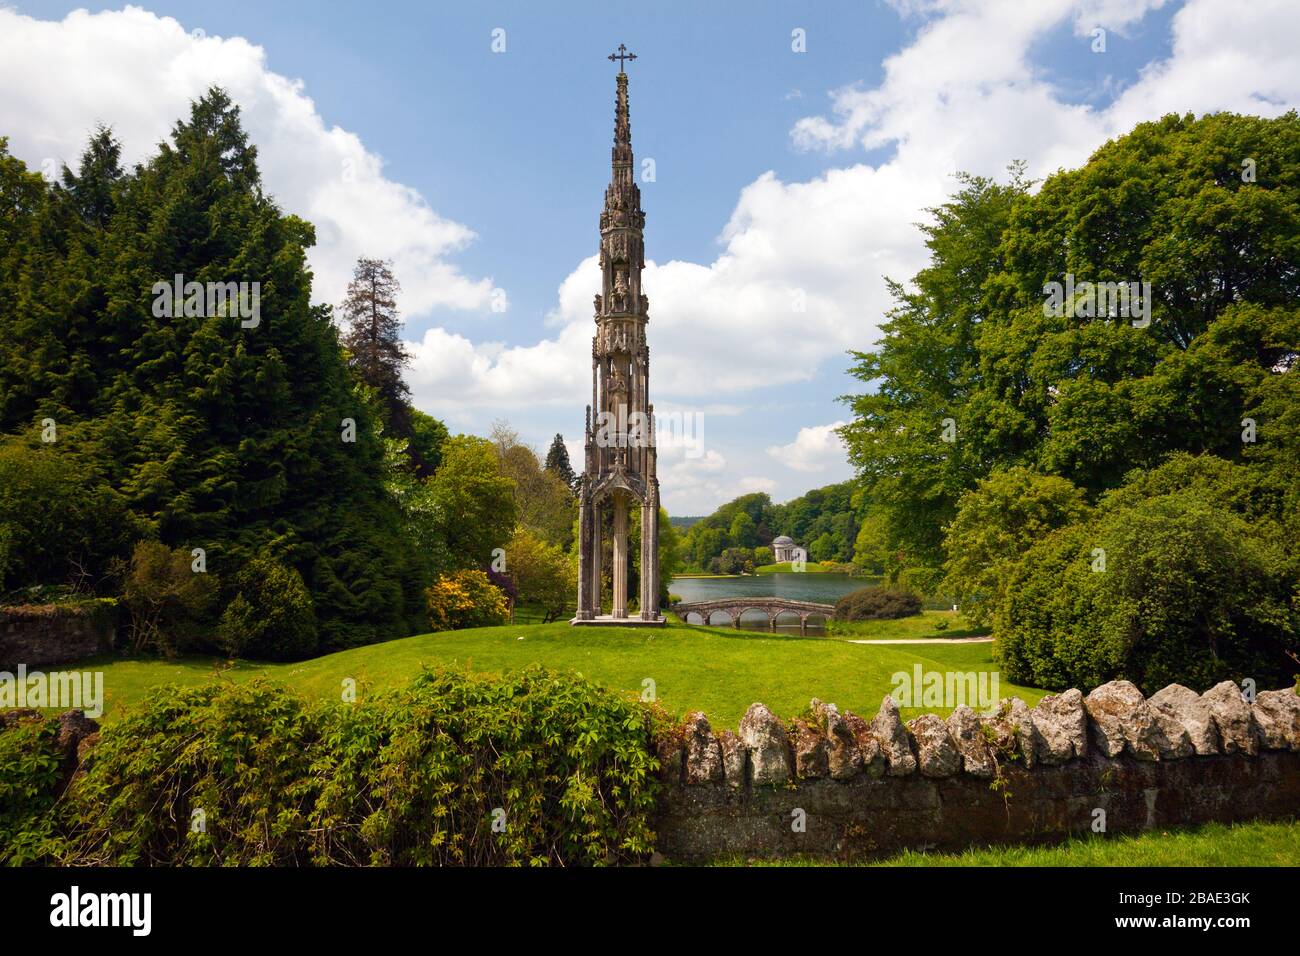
<point>619,470</point>
<point>784,549</point>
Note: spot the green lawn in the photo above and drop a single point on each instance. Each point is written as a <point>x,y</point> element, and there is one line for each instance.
<point>718,670</point>
<point>927,624</point>
<point>1215,844</point>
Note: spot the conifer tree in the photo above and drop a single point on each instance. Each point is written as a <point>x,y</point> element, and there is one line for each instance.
<point>557,462</point>
<point>205,431</point>
<point>372,332</point>
<point>91,187</point>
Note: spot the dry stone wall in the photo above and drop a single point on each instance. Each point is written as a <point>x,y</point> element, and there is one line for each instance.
<point>40,635</point>
<point>835,785</point>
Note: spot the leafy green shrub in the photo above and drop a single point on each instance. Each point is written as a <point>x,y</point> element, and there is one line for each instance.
<point>167,599</point>
<point>877,602</point>
<point>271,617</point>
<point>31,777</point>
<point>534,768</point>
<point>841,567</point>
<point>216,775</point>
<point>1191,592</point>
<point>58,520</point>
<point>563,769</point>
<point>996,521</point>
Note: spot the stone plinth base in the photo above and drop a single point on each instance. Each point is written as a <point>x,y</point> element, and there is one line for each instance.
<point>608,620</point>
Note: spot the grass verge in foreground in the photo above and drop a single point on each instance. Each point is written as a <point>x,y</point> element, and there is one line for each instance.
<point>1214,844</point>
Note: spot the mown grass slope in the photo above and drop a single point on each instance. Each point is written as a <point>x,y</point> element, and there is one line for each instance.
<point>720,671</point>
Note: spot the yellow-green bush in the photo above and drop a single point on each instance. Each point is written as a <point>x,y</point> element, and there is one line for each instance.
<point>465,599</point>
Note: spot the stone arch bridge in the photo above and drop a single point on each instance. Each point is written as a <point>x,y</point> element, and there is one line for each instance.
<point>773,607</point>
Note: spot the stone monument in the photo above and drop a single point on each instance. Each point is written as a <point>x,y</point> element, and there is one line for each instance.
<point>619,469</point>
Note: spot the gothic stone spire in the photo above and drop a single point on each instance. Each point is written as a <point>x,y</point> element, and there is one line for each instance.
<point>621,223</point>
<point>620,467</point>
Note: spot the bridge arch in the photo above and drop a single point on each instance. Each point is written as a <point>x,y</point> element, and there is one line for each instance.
<point>738,618</point>
<point>790,616</point>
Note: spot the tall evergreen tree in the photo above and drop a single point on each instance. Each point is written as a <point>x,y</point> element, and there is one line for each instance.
<point>373,334</point>
<point>210,432</point>
<point>557,462</point>
<point>91,187</point>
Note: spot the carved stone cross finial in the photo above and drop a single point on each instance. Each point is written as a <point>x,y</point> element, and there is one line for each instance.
<point>621,56</point>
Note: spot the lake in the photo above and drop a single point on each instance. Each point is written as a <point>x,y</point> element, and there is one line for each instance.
<point>822,588</point>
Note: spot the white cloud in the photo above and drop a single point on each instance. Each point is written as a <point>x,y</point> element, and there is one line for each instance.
<point>138,72</point>
<point>963,95</point>
<point>464,381</point>
<point>1112,15</point>
<point>815,448</point>
<point>799,282</point>
<point>1238,57</point>
<point>692,485</point>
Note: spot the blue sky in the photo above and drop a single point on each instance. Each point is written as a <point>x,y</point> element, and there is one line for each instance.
<point>779,175</point>
<point>516,145</point>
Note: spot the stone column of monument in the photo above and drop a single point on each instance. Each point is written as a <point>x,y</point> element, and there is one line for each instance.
<point>620,459</point>
<point>619,568</point>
